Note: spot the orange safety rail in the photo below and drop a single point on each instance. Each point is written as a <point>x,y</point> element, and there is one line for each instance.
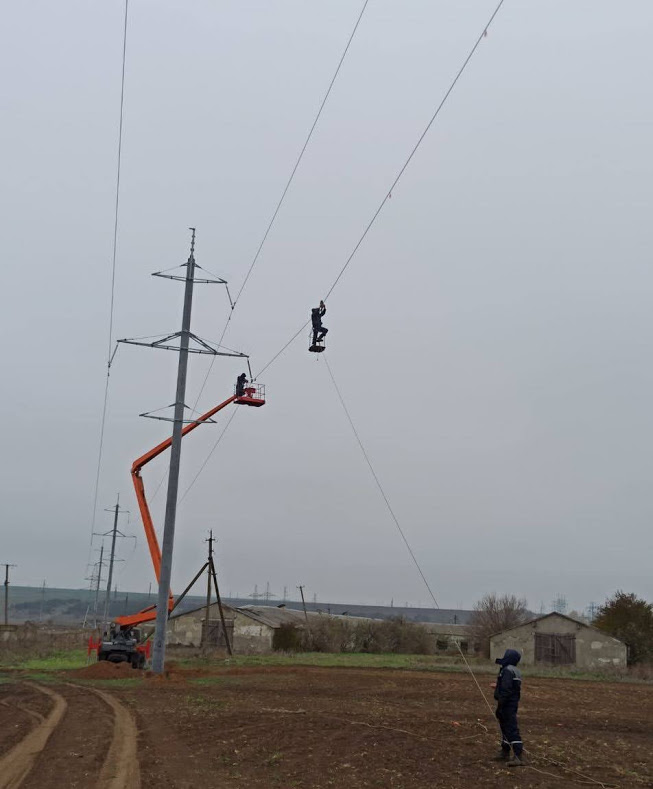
<point>149,614</point>
<point>253,394</point>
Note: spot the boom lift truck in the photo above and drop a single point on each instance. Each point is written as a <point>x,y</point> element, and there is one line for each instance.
<point>124,643</point>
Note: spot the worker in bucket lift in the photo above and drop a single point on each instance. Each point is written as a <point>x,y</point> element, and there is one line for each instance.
<point>507,692</point>
<point>319,331</point>
<point>241,382</point>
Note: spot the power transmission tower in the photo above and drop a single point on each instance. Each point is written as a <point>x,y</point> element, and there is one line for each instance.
<point>559,604</point>
<point>100,565</point>
<point>7,566</point>
<point>267,595</point>
<point>592,611</point>
<point>114,532</point>
<point>183,349</point>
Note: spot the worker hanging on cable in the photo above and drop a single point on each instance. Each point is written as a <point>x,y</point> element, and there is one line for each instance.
<point>507,692</point>
<point>319,331</point>
<point>241,382</point>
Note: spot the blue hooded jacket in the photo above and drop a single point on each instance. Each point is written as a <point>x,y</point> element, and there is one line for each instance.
<point>508,688</point>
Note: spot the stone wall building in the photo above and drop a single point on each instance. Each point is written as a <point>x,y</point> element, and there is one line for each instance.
<point>559,640</point>
<point>448,638</point>
<point>251,629</point>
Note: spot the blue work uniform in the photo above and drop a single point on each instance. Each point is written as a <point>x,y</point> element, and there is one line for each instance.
<point>507,693</point>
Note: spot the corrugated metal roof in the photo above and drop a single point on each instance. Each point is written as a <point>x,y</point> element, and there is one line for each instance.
<point>228,610</point>
<point>273,617</point>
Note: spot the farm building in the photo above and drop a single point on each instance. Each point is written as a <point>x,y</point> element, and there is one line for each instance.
<point>258,628</point>
<point>250,628</point>
<point>449,637</point>
<point>556,639</point>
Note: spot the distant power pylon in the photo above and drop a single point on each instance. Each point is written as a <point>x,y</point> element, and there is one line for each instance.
<point>114,532</point>
<point>267,595</point>
<point>559,604</point>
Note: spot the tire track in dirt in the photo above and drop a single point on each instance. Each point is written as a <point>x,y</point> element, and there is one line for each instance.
<point>121,769</point>
<point>16,764</point>
<point>20,708</point>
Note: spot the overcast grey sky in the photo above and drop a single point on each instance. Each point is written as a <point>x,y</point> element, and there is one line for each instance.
<point>491,337</point>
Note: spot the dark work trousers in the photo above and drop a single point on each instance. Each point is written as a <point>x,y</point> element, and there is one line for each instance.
<point>319,332</point>
<point>511,738</point>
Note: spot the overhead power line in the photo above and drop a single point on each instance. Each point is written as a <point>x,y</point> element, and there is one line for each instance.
<point>267,233</point>
<point>285,189</point>
<point>208,457</point>
<point>412,153</point>
<point>396,180</point>
<point>113,277</point>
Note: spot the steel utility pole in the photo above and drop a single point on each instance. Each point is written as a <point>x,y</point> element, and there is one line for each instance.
<point>189,279</point>
<point>165,576</point>
<point>220,609</point>
<point>7,566</point>
<point>115,531</point>
<point>99,581</point>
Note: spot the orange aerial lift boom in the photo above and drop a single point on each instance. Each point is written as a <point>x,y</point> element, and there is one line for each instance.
<point>253,395</point>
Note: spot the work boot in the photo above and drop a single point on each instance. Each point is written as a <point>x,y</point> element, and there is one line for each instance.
<point>502,756</point>
<point>516,761</point>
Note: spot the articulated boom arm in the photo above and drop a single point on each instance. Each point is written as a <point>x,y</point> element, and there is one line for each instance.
<point>149,614</point>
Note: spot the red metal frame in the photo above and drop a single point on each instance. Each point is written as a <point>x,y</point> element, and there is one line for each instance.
<point>254,395</point>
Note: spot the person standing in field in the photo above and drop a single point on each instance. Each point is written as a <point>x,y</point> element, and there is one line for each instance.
<point>507,693</point>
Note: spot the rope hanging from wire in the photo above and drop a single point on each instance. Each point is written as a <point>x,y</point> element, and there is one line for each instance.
<point>396,521</point>
<point>110,353</point>
<point>396,180</point>
<point>285,190</point>
<point>470,670</point>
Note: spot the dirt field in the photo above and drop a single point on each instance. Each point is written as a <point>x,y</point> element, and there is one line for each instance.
<point>314,727</point>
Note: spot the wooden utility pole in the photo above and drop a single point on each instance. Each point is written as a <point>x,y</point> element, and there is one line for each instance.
<point>301,592</point>
<point>7,566</point>
<point>217,594</point>
<point>206,639</point>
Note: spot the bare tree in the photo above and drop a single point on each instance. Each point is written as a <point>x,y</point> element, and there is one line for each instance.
<point>494,613</point>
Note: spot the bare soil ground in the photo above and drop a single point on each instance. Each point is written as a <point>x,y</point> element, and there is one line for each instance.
<point>286,727</point>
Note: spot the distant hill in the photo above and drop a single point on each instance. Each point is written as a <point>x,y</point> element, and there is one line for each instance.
<point>72,606</point>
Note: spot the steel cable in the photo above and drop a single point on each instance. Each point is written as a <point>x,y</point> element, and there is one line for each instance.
<point>394,183</point>
<point>285,190</point>
<point>269,228</point>
<point>113,281</point>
